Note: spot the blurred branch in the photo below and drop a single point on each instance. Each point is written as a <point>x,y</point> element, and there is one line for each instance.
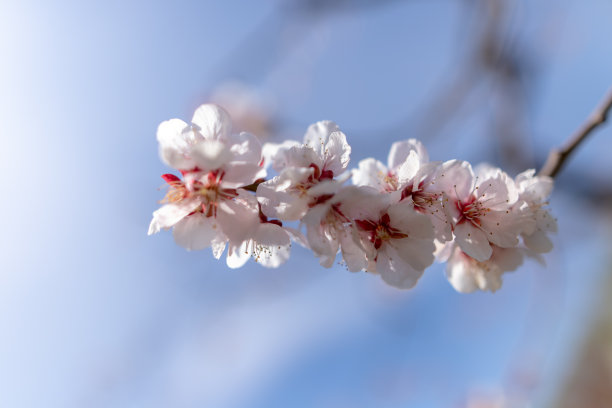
<point>557,157</point>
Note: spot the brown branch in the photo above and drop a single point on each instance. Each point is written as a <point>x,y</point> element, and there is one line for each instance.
<point>557,157</point>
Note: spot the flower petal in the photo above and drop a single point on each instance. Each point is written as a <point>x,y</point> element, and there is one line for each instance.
<point>401,150</point>
<point>395,271</point>
<point>174,143</point>
<point>169,214</point>
<point>213,122</point>
<point>210,154</point>
<point>472,241</point>
<point>195,232</point>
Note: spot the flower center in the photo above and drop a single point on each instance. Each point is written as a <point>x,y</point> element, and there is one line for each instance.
<point>472,211</point>
<point>380,231</point>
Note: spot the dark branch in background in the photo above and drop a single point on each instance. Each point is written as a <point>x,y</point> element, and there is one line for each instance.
<point>557,157</point>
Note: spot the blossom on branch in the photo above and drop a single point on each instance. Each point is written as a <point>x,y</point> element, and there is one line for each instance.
<point>393,221</point>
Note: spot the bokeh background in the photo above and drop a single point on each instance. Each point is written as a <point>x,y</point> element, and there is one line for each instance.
<point>93,313</point>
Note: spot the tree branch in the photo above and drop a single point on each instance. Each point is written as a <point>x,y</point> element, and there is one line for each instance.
<point>557,157</point>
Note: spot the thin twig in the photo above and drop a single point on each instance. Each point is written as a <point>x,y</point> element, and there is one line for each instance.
<point>557,157</point>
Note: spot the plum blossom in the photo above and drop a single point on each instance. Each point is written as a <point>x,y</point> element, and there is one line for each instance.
<point>306,172</point>
<point>207,207</point>
<point>329,230</point>
<point>393,221</point>
<point>268,244</point>
<point>534,190</point>
<point>410,174</point>
<point>485,209</point>
<point>398,241</point>
<point>404,160</point>
<point>467,274</point>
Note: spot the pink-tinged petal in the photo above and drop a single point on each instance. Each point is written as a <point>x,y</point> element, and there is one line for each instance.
<point>246,148</point>
<point>241,174</point>
<point>456,179</point>
<point>195,232</point>
<point>269,234</point>
<point>502,228</point>
<point>534,188</point>
<point>497,193</point>
<point>418,253</point>
<point>401,150</point>
<point>507,259</point>
<point>237,220</point>
<point>297,236</point>
<point>353,253</point>
<point>237,256</point>
<point>337,153</point>
<point>443,250</point>
<point>174,143</point>
<point>409,168</point>
<point>318,134</point>
<point>371,173</point>
<point>459,277</point>
<point>170,214</point>
<point>213,122</point>
<point>276,243</point>
<point>407,220</point>
<point>218,245</point>
<point>538,242</point>
<point>275,154</point>
<point>301,156</point>
<point>363,202</point>
<point>473,241</point>
<point>395,271</point>
<point>276,199</point>
<point>211,154</point>
<point>327,187</point>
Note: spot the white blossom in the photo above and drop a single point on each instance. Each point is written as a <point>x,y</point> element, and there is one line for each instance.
<point>306,172</point>
<point>484,210</point>
<point>467,274</point>
<point>398,241</point>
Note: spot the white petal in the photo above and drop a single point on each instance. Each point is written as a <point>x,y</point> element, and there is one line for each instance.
<point>404,218</point>
<point>409,168</point>
<point>247,149</point>
<point>459,277</point>
<point>275,154</point>
<point>416,252</point>
<point>400,151</point>
<point>502,228</point>
<point>507,259</point>
<point>169,214</point>
<point>195,232</point>
<point>210,154</point>
<point>237,220</point>
<point>395,271</point>
<point>174,144</point>
<point>352,252</point>
<point>538,242</point>
<point>326,187</point>
<point>455,179</point>
<point>241,174</point>
<point>212,121</point>
<point>318,133</point>
<point>237,256</point>
<point>337,153</point>
<point>473,241</point>
<point>218,245</point>
<point>371,173</point>
<point>270,234</point>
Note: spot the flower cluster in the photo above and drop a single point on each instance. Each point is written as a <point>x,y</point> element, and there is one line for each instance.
<point>394,220</point>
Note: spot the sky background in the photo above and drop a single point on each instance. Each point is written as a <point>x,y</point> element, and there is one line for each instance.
<point>95,313</point>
